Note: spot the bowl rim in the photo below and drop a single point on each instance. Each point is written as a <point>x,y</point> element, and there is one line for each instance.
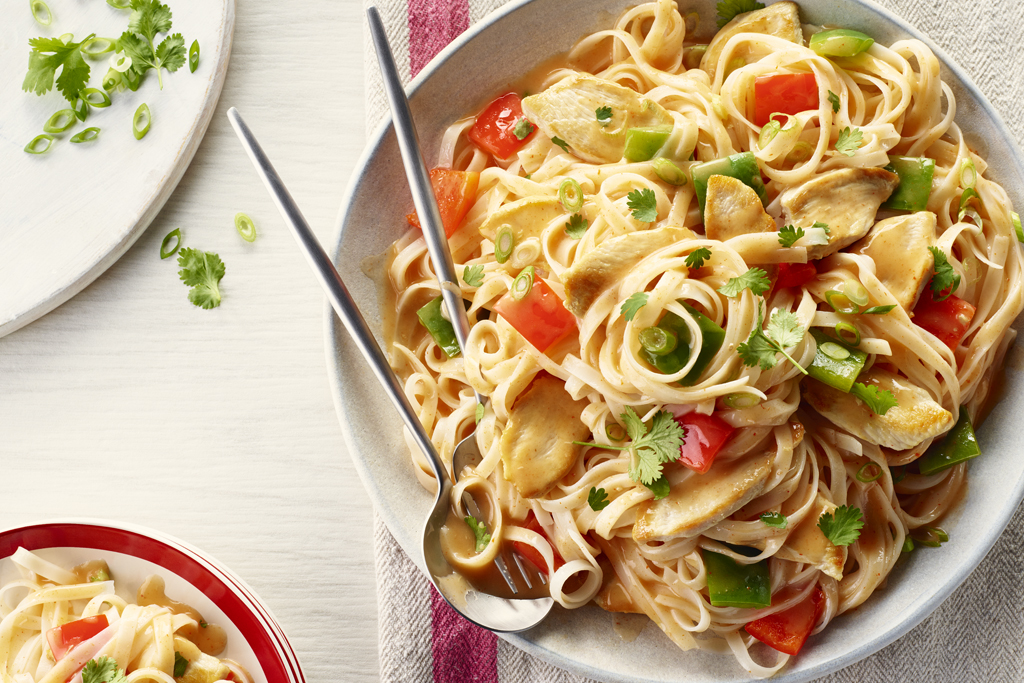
<point>232,595</point>
<point>910,618</point>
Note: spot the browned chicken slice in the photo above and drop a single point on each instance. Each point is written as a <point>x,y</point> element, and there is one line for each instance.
<point>807,543</point>
<point>610,262</point>
<point>899,248</point>
<point>567,110</point>
<point>526,217</point>
<point>537,445</point>
<point>916,418</point>
<point>703,500</point>
<point>733,209</point>
<point>780,19</point>
<point>846,200</point>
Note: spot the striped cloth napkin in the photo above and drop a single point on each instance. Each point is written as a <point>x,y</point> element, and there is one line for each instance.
<point>977,635</point>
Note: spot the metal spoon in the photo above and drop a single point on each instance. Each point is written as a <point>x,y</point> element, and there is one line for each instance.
<point>483,609</point>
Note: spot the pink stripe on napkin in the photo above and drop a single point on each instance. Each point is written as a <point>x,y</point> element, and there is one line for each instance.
<point>432,25</point>
<point>463,652</point>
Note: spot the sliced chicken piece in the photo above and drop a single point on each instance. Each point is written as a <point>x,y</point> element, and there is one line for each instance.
<point>916,418</point>
<point>846,200</point>
<point>732,209</point>
<point>807,543</point>
<point>202,668</point>
<point>780,19</point>
<point>899,248</point>
<point>526,217</point>
<point>610,262</point>
<point>537,445</point>
<point>703,500</point>
<point>568,110</point>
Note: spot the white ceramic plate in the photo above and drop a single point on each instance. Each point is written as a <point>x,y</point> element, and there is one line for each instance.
<point>460,80</point>
<point>255,640</point>
<point>69,214</point>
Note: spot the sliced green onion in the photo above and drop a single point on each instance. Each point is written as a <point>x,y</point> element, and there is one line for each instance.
<point>41,12</point>
<point>131,80</point>
<point>94,47</point>
<point>841,303</point>
<point>855,292</point>
<point>1015,217</point>
<point>668,172</point>
<point>938,533</point>
<point>908,545</point>
<point>90,95</point>
<point>111,80</point>
<point>33,147</point>
<point>848,333</point>
<point>60,121</point>
<point>66,38</point>
<point>898,474</point>
<point>120,62</point>
<point>87,135</point>
<point>81,108</point>
<point>245,227</point>
<point>141,121</point>
<point>718,107</point>
<point>694,55</point>
<point>929,542</point>
<point>504,243</point>
<point>570,194</point>
<point>120,4</point>
<point>802,151</point>
<point>768,133</point>
<point>968,174</point>
<point>658,340</point>
<point>840,42</point>
<point>522,285</point>
<point>165,250</point>
<point>741,401</point>
<point>193,56</point>
<point>834,351</point>
<point>864,474</point>
<point>615,432</point>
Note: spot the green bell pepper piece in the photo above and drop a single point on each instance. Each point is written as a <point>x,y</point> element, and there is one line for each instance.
<point>840,42</point>
<point>643,144</point>
<point>915,183</point>
<point>439,328</point>
<point>712,337</point>
<point>742,167</point>
<point>668,172</point>
<point>731,584</point>
<point>832,370</point>
<point>959,446</point>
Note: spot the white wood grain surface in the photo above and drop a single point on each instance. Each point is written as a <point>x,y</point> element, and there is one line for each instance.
<point>127,402</point>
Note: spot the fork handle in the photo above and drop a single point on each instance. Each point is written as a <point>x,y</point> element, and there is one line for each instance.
<point>337,293</point>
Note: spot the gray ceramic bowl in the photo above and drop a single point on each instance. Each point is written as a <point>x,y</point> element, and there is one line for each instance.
<point>460,80</point>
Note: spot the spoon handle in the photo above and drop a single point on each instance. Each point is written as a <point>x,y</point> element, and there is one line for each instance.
<point>419,182</point>
<point>336,291</point>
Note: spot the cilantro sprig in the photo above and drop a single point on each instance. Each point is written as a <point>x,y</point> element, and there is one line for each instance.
<point>755,279</point>
<point>697,257</point>
<point>473,275</point>
<point>834,101</point>
<point>878,400</point>
<point>650,448</point>
<point>783,331</point>
<point>643,205</point>
<point>480,531</point>
<point>103,670</point>
<point>945,280</point>
<point>202,271</point>
<point>633,304</point>
<point>597,499</point>
<point>728,9</point>
<point>50,54</point>
<point>577,226</point>
<point>775,520</point>
<point>788,235</point>
<point>604,115</point>
<point>843,526</point>
<point>148,18</point>
<point>850,140</point>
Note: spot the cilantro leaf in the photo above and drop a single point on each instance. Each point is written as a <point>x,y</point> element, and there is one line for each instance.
<point>878,310</point>
<point>561,143</point>
<point>775,520</point>
<point>834,101</point>
<point>754,279</point>
<point>823,226</point>
<point>783,330</point>
<point>480,531</point>
<point>850,140</point>
<point>789,235</point>
<point>604,115</point>
<point>757,350</point>
<point>576,226</point>
<point>878,400</point>
<point>697,257</point>
<point>473,275</point>
<point>479,412</point>
<point>633,304</point>
<point>522,129</point>
<point>945,280</point>
<point>171,52</point>
<point>149,17</point>
<point>50,54</point>
<point>202,271</point>
<point>654,448</point>
<point>644,205</point>
<point>728,9</point>
<point>660,487</point>
<point>180,665</point>
<point>139,50</point>
<point>102,670</point>
<point>597,499</point>
<point>843,526</point>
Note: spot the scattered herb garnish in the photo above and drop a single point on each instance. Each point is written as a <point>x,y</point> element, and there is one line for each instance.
<point>789,235</point>
<point>480,530</point>
<point>728,9</point>
<point>202,271</point>
<point>878,400</point>
<point>141,122</point>
<point>604,115</point>
<point>50,54</point>
<point>944,279</point>
<point>843,526</point>
<point>633,304</point>
<point>597,499</point>
<point>784,330</point>
<point>473,275</point>
<point>850,140</point>
<point>561,143</point>
<point>576,226</point>
<point>697,257</point>
<point>193,56</point>
<point>775,520</point>
<point>834,100</point>
<point>755,279</point>
<point>643,205</point>
<point>41,12</point>
<point>245,227</point>
<point>522,129</point>
<point>650,448</point>
<point>148,18</point>
<point>180,665</point>
<point>103,670</point>
<point>165,250</point>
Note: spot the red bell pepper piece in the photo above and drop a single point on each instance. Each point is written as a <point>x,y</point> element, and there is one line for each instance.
<point>948,319</point>
<point>784,94</point>
<point>786,631</point>
<point>66,636</point>
<point>455,192</point>
<point>705,435</point>
<point>795,275</point>
<point>494,130</point>
<point>540,316</point>
<point>532,554</point>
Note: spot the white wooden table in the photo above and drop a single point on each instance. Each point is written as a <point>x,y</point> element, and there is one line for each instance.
<point>217,426</point>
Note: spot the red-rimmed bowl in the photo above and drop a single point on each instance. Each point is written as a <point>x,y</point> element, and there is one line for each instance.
<point>255,639</point>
